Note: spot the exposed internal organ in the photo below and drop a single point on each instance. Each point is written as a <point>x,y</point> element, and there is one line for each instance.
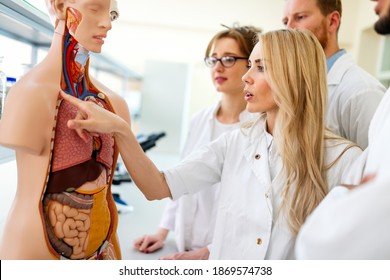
<point>74,19</point>
<point>76,72</point>
<point>70,150</point>
<point>77,224</point>
<point>68,223</point>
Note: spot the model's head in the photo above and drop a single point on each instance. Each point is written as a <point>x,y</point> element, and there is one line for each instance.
<point>227,54</point>
<point>322,17</point>
<point>382,9</point>
<point>88,21</point>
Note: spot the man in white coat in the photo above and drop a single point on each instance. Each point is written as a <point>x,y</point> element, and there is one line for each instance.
<point>355,224</point>
<point>353,93</point>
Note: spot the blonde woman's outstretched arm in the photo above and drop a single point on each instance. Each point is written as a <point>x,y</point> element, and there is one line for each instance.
<point>93,119</point>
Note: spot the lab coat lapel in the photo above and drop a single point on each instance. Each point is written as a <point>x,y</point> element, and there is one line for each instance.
<point>341,65</point>
<point>257,156</point>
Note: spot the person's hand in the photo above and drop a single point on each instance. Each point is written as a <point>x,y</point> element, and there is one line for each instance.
<point>367,178</point>
<point>199,254</point>
<point>92,119</point>
<point>364,180</point>
<point>150,243</point>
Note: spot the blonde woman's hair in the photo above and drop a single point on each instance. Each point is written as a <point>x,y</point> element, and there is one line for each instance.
<point>295,68</point>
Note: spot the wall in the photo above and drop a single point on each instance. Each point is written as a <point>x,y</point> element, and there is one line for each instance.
<point>178,31</point>
<point>165,90</point>
<point>368,44</point>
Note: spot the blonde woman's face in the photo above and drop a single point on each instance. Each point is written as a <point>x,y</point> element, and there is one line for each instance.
<point>258,93</point>
<point>228,80</point>
<point>89,22</point>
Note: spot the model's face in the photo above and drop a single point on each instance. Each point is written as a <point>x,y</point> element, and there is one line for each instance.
<point>258,93</point>
<point>89,22</point>
<point>306,14</point>
<point>228,80</point>
<point>382,9</point>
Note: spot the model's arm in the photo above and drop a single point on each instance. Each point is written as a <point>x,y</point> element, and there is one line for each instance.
<point>28,119</point>
<point>142,170</point>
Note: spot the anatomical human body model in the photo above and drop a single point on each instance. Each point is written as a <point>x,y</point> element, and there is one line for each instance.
<point>63,208</point>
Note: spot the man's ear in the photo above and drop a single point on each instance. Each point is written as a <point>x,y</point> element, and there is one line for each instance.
<point>334,21</point>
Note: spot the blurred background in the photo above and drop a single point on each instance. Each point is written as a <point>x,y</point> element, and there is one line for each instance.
<point>153,55</point>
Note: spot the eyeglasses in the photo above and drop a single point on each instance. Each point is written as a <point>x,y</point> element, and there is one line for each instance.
<point>226,61</point>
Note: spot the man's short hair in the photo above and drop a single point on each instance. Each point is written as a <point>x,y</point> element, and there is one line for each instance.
<point>328,6</point>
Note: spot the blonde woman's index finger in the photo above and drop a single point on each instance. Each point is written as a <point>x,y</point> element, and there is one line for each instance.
<point>74,101</point>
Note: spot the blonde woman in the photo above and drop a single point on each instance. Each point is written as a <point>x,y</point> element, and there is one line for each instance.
<point>273,172</point>
<point>192,217</point>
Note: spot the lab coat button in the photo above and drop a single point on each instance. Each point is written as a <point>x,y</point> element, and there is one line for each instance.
<point>259,241</point>
<point>257,156</point>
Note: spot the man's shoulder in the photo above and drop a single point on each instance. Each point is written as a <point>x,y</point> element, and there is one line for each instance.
<point>352,78</point>
<point>352,71</point>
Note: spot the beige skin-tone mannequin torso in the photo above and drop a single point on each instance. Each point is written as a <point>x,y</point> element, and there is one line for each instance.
<point>27,127</point>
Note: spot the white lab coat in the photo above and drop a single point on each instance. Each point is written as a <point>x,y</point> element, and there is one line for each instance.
<point>353,98</point>
<point>352,226</point>
<point>247,225</point>
<point>192,217</point>
<point>355,224</point>
<point>378,135</point>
